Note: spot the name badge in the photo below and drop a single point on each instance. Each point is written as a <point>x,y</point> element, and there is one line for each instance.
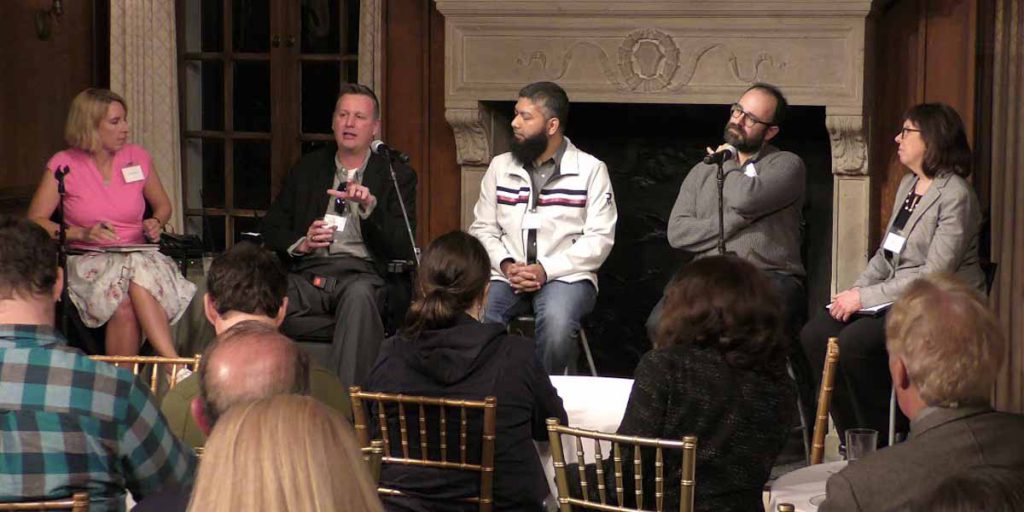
<point>337,221</point>
<point>894,243</point>
<point>750,171</point>
<point>132,174</point>
<point>531,221</point>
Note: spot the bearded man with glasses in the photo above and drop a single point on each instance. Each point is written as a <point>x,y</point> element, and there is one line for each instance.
<point>763,196</point>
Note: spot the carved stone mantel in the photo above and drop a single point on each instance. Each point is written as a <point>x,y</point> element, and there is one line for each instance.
<point>669,51</point>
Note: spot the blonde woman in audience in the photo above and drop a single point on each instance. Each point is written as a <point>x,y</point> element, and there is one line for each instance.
<point>283,453</point>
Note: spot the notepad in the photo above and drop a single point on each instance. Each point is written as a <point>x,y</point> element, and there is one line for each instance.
<point>872,311</point>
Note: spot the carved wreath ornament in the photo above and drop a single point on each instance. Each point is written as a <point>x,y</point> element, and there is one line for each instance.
<point>648,59</point>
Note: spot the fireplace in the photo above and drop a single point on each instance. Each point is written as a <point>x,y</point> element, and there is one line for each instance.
<point>671,64</point>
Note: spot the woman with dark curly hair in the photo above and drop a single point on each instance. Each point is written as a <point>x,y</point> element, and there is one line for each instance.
<point>718,371</point>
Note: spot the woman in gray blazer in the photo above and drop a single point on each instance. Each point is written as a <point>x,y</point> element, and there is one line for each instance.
<point>934,227</point>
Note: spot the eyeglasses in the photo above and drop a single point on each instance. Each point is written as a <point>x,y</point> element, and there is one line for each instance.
<point>905,130</point>
<point>749,120</point>
<point>339,203</point>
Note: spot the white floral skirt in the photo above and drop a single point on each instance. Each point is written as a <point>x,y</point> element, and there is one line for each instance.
<point>98,282</point>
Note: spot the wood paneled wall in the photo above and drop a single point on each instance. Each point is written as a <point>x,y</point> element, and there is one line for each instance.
<point>38,80</point>
<point>924,51</point>
<point>413,105</point>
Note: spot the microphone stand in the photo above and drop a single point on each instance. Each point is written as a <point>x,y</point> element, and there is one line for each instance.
<point>62,248</point>
<point>401,203</point>
<point>721,208</point>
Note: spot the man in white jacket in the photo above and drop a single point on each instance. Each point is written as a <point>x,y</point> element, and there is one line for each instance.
<point>546,215</point>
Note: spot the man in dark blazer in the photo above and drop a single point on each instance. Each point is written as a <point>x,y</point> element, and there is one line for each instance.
<point>944,352</point>
<point>339,221</point>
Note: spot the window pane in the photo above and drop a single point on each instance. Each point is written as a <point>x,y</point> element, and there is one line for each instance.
<point>320,83</point>
<point>204,95</point>
<point>320,31</point>
<point>213,234</point>
<point>252,96</point>
<point>351,72</point>
<point>310,146</point>
<point>204,25</point>
<point>204,167</point>
<point>352,27</point>
<point>252,174</point>
<point>251,20</point>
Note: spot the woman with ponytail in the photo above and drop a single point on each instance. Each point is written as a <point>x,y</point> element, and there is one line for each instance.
<point>445,351</point>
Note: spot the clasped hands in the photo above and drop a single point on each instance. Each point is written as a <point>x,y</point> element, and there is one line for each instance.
<point>320,234</point>
<point>524,278</point>
<point>845,304</point>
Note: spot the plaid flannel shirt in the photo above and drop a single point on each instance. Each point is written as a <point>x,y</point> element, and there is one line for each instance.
<point>68,424</point>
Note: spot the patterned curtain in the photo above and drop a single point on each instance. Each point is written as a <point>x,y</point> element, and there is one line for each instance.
<point>1007,298</point>
<point>144,69</point>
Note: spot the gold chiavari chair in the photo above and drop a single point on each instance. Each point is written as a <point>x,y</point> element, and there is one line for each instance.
<point>158,362</point>
<point>78,502</point>
<point>445,409</point>
<point>373,455</point>
<point>688,447</point>
<point>828,378</point>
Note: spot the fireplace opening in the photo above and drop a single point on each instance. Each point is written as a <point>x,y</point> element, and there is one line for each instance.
<point>649,149</point>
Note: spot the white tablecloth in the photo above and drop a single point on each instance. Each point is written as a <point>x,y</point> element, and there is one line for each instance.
<point>801,486</point>
<point>592,403</point>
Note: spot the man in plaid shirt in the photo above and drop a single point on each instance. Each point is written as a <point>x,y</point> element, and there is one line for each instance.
<point>68,423</point>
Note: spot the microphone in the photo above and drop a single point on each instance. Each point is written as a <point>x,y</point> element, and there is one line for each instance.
<point>382,149</point>
<point>726,153</point>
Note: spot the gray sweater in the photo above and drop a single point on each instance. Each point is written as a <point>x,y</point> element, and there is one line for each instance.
<point>763,201</point>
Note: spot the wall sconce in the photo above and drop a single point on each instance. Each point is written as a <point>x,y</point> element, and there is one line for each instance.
<point>46,18</point>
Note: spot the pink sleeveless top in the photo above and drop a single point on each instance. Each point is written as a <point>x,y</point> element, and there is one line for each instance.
<point>89,200</point>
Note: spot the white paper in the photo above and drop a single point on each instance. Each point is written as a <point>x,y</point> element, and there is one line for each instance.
<point>894,243</point>
<point>337,221</point>
<point>531,221</point>
<point>132,174</point>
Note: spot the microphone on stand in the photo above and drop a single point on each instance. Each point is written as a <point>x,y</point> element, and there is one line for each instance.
<point>382,149</point>
<point>723,155</point>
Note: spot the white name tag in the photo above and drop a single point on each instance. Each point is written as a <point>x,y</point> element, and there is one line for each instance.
<point>894,243</point>
<point>337,221</point>
<point>531,221</point>
<point>132,174</point>
<point>750,171</point>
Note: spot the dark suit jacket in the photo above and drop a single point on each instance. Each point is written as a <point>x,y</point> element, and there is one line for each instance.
<point>942,236</point>
<point>303,199</point>
<point>941,444</point>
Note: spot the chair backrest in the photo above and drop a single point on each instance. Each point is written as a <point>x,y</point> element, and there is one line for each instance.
<point>78,502</point>
<point>828,378</point>
<point>445,408</point>
<point>373,455</point>
<point>158,362</point>
<point>688,447</point>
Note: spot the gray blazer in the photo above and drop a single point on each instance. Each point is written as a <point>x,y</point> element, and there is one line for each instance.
<point>942,236</point>
<point>941,444</point>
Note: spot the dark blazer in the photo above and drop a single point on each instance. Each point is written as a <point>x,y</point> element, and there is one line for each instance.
<point>303,199</point>
<point>471,360</point>
<point>942,443</point>
<point>942,236</point>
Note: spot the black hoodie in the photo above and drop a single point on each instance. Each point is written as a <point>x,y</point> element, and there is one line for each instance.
<point>471,360</point>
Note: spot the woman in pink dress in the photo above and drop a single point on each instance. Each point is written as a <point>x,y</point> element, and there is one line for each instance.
<point>107,188</point>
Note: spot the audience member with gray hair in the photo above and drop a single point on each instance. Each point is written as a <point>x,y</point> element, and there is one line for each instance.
<point>945,348</point>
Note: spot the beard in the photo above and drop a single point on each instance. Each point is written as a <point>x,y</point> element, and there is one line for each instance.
<point>530,149</point>
<point>734,135</point>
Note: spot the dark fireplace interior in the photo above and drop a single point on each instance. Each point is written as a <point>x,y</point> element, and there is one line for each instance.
<point>649,148</point>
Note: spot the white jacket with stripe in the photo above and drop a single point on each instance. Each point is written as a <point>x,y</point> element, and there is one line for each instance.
<point>576,210</point>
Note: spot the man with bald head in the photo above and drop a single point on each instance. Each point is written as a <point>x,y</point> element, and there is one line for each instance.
<point>231,372</point>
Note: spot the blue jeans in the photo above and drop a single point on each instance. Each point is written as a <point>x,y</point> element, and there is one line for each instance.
<point>558,308</point>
